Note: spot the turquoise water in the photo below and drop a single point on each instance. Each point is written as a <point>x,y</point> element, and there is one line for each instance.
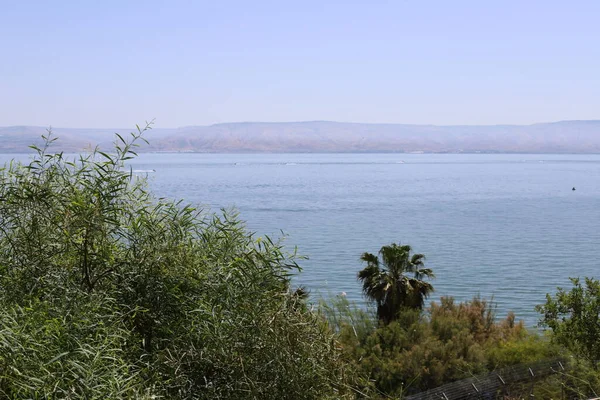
<point>507,226</point>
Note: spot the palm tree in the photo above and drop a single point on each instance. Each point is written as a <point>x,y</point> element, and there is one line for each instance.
<point>386,282</point>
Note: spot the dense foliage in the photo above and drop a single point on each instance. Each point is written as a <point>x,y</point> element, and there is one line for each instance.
<point>574,318</point>
<point>417,349</point>
<point>423,350</point>
<point>109,292</point>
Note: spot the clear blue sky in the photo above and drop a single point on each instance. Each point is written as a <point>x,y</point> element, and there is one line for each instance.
<point>117,63</point>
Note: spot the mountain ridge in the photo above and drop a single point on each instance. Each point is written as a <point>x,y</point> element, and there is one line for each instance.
<point>568,136</point>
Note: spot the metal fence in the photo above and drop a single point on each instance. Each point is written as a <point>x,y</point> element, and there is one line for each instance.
<point>495,384</point>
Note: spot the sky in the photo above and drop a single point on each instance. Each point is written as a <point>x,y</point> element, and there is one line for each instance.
<point>112,64</point>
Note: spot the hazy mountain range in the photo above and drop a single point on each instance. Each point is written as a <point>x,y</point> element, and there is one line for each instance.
<point>323,136</point>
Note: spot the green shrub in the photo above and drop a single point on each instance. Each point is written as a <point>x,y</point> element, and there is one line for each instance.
<point>574,318</point>
<point>46,352</point>
<point>420,351</point>
<point>109,292</point>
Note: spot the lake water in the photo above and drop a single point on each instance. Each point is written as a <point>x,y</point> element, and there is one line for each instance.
<point>507,226</point>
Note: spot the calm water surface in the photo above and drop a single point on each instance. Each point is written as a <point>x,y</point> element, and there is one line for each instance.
<point>507,226</point>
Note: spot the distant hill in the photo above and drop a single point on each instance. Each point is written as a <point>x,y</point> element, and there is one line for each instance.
<point>323,136</point>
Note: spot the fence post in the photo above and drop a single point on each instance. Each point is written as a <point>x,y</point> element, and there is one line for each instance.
<point>532,382</point>
<point>477,393</point>
<point>503,387</point>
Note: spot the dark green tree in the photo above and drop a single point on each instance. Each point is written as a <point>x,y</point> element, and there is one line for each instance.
<point>574,317</point>
<point>395,281</point>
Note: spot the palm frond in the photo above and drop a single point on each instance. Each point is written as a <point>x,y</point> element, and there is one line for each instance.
<point>424,272</point>
<point>370,258</point>
<point>373,281</point>
<point>417,259</point>
<point>394,257</point>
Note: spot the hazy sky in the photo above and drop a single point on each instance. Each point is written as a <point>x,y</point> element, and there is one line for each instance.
<point>117,63</point>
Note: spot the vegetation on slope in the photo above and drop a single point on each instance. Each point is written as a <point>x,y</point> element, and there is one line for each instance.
<point>401,348</point>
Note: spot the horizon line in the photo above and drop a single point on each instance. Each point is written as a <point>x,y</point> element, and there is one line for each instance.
<point>313,121</point>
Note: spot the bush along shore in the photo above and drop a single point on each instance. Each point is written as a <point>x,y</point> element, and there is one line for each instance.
<point>108,292</point>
